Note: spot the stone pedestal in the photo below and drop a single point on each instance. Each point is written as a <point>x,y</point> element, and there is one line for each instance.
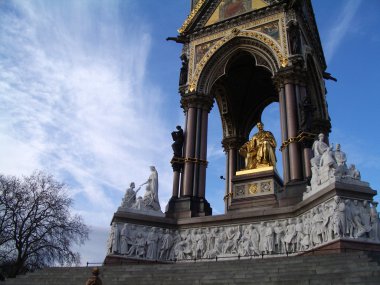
<point>255,188</point>
<point>187,207</point>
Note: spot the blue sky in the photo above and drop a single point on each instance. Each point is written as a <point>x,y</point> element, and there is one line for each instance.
<point>88,92</point>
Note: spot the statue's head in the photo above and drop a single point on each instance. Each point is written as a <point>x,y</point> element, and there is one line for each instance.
<point>260,126</point>
<point>132,185</point>
<point>178,127</point>
<point>321,137</point>
<point>152,168</point>
<point>338,146</point>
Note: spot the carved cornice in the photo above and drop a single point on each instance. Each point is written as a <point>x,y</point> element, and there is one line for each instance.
<point>290,75</point>
<point>232,143</point>
<point>197,100</point>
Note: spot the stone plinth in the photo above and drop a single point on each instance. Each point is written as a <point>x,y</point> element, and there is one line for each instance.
<point>255,188</point>
<point>337,218</point>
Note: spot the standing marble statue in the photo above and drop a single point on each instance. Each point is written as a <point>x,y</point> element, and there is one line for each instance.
<point>151,195</point>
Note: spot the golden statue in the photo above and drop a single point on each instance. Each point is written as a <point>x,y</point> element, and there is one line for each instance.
<point>259,151</point>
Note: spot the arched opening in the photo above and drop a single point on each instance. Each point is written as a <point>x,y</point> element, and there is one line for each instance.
<point>243,94</point>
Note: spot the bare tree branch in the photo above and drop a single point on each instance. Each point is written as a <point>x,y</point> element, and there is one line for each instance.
<point>36,227</point>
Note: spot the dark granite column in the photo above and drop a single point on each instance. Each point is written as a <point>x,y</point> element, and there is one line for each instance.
<point>203,153</point>
<point>192,202</point>
<point>231,146</point>
<point>307,143</point>
<point>188,173</point>
<point>292,126</point>
<point>284,133</point>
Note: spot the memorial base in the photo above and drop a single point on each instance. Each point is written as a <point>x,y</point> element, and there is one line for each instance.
<point>188,207</point>
<point>255,188</point>
<point>338,218</point>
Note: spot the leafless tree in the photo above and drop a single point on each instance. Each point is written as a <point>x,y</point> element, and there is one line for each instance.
<point>37,228</point>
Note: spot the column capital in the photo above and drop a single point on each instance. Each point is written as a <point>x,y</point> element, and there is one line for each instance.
<point>197,100</point>
<point>232,143</point>
<point>294,74</point>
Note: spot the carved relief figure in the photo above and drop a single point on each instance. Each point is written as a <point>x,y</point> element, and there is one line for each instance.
<point>166,245</point>
<point>152,244</point>
<point>279,237</point>
<point>233,235</point>
<point>123,239</point>
<point>290,234</point>
<point>259,151</point>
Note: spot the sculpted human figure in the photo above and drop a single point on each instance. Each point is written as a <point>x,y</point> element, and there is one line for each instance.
<point>375,222</point>
<point>339,217</point>
<point>116,238</point>
<point>130,196</point>
<point>340,156</point>
<point>233,235</point>
<point>290,234</point>
<point>183,248</point>
<point>349,219</point>
<point>269,238</point>
<point>166,245</point>
<point>327,159</point>
<point>220,240</point>
<point>244,247</point>
<point>178,139</point>
<point>151,195</point>
<point>152,244</point>
<point>123,239</point>
<point>255,239</point>
<point>279,232</point>
<point>110,240</point>
<point>299,233</point>
<point>176,241</point>
<point>259,151</point>
<point>327,216</point>
<point>305,242</point>
<point>353,172</point>
<point>319,147</point>
<point>365,217</point>
<point>317,227</point>
<point>201,243</point>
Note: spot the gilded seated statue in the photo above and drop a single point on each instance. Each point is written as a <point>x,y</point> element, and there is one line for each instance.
<point>259,151</point>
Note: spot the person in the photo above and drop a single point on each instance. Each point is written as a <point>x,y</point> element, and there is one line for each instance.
<point>259,151</point>
<point>151,194</point>
<point>178,141</point>
<point>94,279</point>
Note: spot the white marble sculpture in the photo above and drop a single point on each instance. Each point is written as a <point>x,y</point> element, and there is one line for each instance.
<point>148,204</point>
<point>337,218</point>
<point>329,166</point>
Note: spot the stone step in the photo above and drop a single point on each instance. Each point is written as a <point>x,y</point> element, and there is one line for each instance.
<point>334,269</point>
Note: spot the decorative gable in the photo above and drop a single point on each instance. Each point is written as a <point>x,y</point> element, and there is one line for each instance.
<point>231,8</point>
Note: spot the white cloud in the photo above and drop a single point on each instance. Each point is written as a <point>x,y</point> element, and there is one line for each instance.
<point>74,101</point>
<point>340,27</point>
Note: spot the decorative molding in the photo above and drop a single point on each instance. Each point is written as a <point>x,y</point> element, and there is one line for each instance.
<point>193,13</point>
<point>275,48</point>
